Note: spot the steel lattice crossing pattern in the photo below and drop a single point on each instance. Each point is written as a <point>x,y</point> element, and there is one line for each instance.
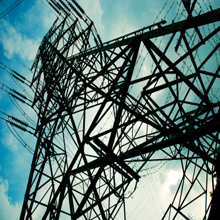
<point>107,110</point>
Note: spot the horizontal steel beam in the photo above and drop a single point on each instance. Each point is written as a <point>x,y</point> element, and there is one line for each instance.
<point>108,159</point>
<point>208,128</point>
<point>207,18</point>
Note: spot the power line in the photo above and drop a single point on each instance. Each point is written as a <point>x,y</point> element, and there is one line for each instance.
<point>8,10</point>
<point>15,59</point>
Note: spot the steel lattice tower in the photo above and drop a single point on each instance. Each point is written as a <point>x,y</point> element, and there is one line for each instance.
<point>101,121</point>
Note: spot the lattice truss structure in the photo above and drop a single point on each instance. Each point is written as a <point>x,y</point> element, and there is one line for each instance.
<point>107,110</point>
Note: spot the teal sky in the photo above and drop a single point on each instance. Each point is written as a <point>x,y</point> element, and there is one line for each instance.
<point>21,32</point>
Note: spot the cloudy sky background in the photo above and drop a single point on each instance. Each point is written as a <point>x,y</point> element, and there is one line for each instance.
<point>21,32</point>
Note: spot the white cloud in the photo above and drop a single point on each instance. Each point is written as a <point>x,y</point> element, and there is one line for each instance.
<point>43,22</point>
<point>15,43</point>
<point>9,140</point>
<point>23,39</point>
<point>174,176</point>
<point>7,209</point>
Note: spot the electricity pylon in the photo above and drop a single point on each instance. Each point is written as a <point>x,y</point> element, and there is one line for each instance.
<point>101,120</point>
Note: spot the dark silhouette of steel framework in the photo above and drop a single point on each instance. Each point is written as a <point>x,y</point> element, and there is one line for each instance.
<point>98,116</point>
